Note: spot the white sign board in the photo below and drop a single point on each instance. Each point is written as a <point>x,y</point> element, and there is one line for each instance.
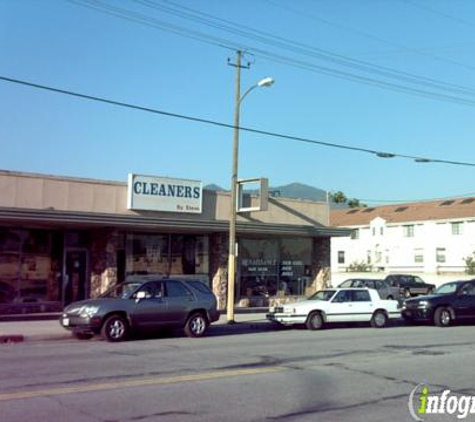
<point>149,193</point>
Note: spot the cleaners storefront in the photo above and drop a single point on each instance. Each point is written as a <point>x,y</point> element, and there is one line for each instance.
<point>65,239</point>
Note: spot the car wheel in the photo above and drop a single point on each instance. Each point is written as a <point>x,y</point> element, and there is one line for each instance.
<point>442,317</point>
<point>379,320</point>
<point>406,293</point>
<point>314,321</point>
<point>116,328</point>
<point>83,336</point>
<point>196,325</point>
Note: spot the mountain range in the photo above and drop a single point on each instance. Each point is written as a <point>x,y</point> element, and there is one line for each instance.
<point>293,190</point>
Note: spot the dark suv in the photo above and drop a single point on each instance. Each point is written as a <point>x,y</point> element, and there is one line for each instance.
<point>450,302</point>
<point>409,285</point>
<point>142,305</point>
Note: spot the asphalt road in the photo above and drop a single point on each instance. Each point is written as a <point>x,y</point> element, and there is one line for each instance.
<point>337,374</point>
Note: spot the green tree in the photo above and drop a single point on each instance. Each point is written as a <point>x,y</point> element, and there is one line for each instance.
<point>338,197</point>
<point>354,203</point>
<point>470,264</point>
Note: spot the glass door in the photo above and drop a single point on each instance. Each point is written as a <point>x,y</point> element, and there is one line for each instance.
<point>75,275</point>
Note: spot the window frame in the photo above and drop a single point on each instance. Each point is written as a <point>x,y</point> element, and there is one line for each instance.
<point>341,257</point>
<point>408,230</point>
<point>457,228</point>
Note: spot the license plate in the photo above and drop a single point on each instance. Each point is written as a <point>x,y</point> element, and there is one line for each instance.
<point>65,322</point>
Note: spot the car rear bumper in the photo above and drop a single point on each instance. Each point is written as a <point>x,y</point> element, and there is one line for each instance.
<point>213,316</point>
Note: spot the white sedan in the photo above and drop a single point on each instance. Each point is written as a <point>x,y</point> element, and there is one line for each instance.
<point>337,305</point>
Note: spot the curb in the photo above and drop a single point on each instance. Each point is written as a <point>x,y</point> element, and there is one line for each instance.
<point>29,335</point>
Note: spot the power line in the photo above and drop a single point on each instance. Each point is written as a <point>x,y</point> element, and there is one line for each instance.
<point>366,35</point>
<point>200,36</point>
<point>157,24</point>
<point>438,12</point>
<point>381,154</point>
<point>298,47</point>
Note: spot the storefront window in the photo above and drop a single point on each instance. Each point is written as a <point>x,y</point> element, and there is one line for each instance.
<point>26,267</point>
<point>167,254</point>
<point>35,266</point>
<point>295,262</point>
<point>270,267</point>
<point>147,254</point>
<point>10,253</point>
<point>259,269</point>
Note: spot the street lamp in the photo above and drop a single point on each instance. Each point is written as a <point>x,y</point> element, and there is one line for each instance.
<point>266,82</point>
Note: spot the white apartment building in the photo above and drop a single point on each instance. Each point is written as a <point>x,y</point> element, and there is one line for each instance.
<point>431,239</point>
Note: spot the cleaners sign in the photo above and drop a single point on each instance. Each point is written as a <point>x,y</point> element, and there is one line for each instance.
<point>150,193</point>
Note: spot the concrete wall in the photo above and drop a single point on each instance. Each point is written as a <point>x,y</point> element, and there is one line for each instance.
<point>40,192</point>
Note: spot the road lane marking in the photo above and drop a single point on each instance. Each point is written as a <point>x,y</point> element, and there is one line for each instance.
<point>140,383</point>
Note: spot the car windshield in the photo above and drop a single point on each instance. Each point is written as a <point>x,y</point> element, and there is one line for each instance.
<point>446,289</point>
<point>121,291</point>
<point>322,295</point>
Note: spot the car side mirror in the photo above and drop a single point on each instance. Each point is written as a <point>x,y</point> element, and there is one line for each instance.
<point>140,295</point>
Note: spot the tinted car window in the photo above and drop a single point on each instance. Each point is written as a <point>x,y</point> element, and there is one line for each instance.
<point>177,289</point>
<point>418,280</point>
<point>322,295</point>
<point>379,284</point>
<point>361,296</point>
<point>120,291</point>
<point>347,283</point>
<point>342,296</point>
<point>392,281</point>
<point>153,290</point>
<point>200,286</point>
<point>468,289</point>
<point>446,289</point>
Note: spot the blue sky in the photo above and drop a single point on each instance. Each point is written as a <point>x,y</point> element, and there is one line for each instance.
<point>65,45</point>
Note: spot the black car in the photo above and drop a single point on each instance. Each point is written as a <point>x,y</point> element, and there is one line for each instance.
<point>409,285</point>
<point>143,305</point>
<point>450,302</point>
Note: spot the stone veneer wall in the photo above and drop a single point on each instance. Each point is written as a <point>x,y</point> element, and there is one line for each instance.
<point>321,270</point>
<point>104,244</point>
<point>219,267</point>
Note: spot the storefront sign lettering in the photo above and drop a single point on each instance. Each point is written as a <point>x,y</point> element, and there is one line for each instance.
<point>291,268</point>
<point>164,194</point>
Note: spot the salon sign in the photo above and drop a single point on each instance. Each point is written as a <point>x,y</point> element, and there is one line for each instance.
<point>150,193</point>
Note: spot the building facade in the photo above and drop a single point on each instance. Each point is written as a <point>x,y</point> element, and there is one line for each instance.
<point>65,239</point>
<point>428,238</point>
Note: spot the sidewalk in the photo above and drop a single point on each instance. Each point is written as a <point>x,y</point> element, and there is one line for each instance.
<point>50,329</point>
